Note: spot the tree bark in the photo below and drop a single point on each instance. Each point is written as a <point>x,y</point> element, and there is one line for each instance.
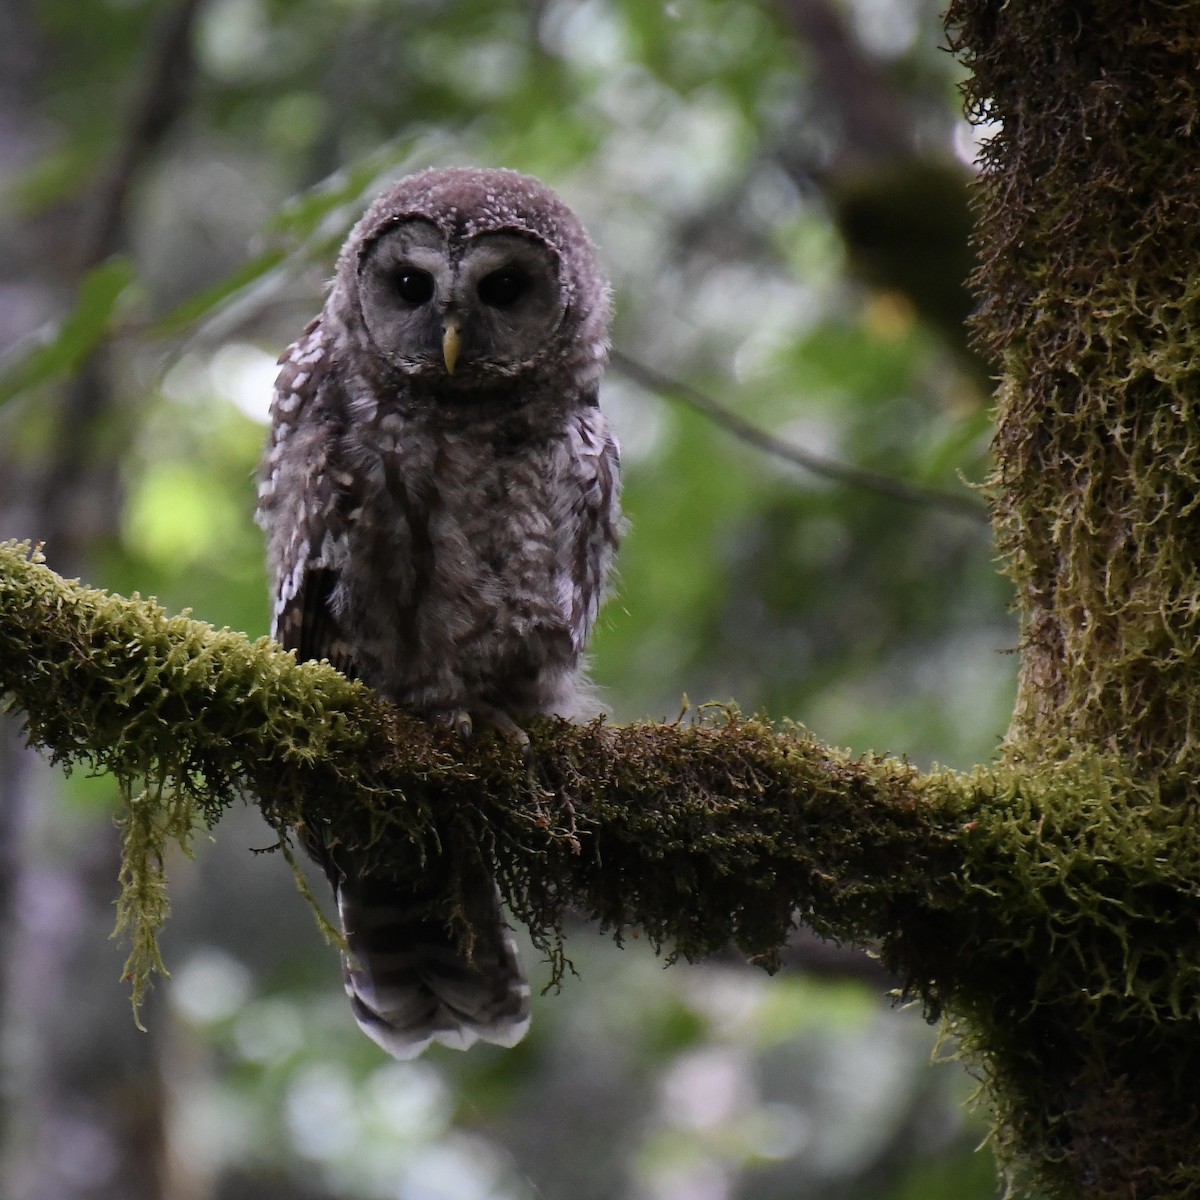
<point>1089,226</point>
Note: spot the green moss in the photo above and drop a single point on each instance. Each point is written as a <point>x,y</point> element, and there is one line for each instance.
<point>183,716</point>
<point>1088,216</point>
<point>1084,972</point>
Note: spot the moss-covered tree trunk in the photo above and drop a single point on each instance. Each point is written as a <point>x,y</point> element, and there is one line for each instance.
<point>1090,291</point>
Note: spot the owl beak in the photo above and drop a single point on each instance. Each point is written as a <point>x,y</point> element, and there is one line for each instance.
<point>451,344</point>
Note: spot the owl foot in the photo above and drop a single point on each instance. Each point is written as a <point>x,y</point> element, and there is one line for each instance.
<point>508,729</point>
<point>464,723</point>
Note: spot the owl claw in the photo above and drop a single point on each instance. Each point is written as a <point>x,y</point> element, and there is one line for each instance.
<point>508,729</point>
<point>463,725</point>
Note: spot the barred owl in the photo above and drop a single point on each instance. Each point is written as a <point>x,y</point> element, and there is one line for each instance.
<point>440,498</point>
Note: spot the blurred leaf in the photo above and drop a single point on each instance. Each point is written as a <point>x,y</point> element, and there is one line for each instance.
<point>956,446</point>
<point>340,193</point>
<point>54,176</point>
<point>80,332</point>
<point>183,316</point>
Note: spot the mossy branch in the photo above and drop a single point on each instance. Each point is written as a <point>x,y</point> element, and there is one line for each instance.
<point>696,835</point>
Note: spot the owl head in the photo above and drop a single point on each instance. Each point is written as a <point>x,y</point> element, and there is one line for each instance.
<point>463,277</point>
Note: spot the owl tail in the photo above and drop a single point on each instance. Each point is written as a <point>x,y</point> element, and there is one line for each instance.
<point>408,982</point>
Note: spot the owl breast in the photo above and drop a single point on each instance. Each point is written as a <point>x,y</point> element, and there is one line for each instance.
<point>459,581</point>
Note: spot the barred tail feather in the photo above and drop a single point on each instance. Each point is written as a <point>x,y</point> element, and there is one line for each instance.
<point>408,983</point>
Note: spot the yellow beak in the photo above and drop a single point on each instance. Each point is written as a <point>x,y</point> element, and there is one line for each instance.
<point>451,343</point>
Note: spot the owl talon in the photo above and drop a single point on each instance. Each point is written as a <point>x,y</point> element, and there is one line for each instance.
<point>463,725</point>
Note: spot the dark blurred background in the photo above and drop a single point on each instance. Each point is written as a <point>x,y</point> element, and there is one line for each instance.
<point>779,193</point>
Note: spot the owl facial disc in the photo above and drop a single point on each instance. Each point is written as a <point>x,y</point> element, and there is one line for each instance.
<point>478,306</point>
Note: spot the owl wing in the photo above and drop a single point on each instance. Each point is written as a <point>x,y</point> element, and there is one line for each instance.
<point>302,502</point>
<point>593,519</point>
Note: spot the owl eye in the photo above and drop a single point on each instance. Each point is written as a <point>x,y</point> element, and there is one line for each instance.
<point>413,286</point>
<point>503,287</point>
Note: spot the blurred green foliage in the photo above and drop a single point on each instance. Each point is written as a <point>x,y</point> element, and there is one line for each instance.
<point>674,129</point>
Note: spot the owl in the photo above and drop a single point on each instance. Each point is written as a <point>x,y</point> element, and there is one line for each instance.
<point>440,495</point>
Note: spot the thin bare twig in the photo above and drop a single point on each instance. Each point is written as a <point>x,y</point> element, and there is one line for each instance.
<point>827,468</point>
<point>159,102</point>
